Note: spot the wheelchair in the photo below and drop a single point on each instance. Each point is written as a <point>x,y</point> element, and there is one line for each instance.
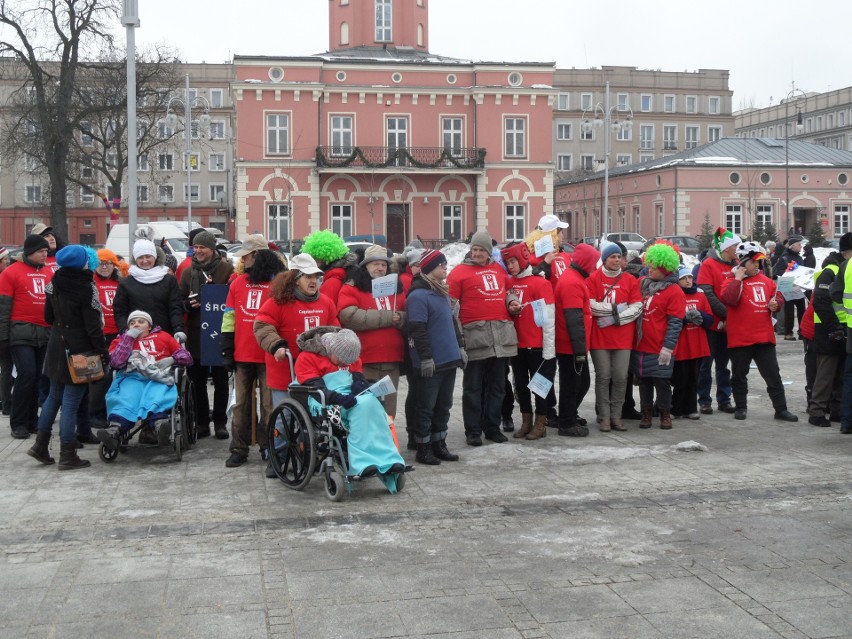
<point>182,417</point>
<point>302,444</point>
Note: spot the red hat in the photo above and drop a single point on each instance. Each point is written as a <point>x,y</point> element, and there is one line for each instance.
<point>586,257</point>
<point>520,251</point>
<point>431,259</point>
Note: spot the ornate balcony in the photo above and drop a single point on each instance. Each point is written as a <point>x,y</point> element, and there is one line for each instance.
<point>416,157</point>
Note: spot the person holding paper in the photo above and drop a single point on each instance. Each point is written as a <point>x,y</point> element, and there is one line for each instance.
<point>554,262</point>
<point>794,298</point>
<point>535,326</point>
<point>435,348</point>
<point>616,304</point>
<point>372,303</point>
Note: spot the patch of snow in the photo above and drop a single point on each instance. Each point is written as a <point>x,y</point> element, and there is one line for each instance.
<point>135,514</point>
<point>690,446</point>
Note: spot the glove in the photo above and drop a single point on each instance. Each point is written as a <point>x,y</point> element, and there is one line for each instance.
<point>427,367</point>
<point>180,336</point>
<point>665,357</point>
<point>693,316</point>
<point>606,320</point>
<point>359,386</point>
<point>463,358</point>
<point>347,401</point>
<point>838,336</point>
<point>165,363</point>
<point>134,332</point>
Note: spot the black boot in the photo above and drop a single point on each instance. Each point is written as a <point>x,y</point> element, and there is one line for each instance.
<point>68,459</point>
<point>426,456</point>
<point>40,450</point>
<point>439,448</point>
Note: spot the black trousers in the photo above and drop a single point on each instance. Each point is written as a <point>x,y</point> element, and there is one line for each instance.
<point>434,401</point>
<point>764,356</point>
<point>484,385</point>
<point>791,308</point>
<point>685,386</point>
<point>574,382</point>
<point>663,386</point>
<point>524,366</point>
<point>199,374</point>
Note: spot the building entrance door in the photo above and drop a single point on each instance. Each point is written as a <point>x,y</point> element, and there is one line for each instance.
<point>398,226</point>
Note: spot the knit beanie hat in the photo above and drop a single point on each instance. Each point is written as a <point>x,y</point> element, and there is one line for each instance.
<point>325,246</point>
<point>414,255</point>
<point>431,259</point>
<point>482,239</point>
<point>34,243</point>
<point>663,257</point>
<point>683,271</point>
<point>610,248</point>
<point>144,247</point>
<point>586,257</point>
<point>193,234</point>
<point>845,243</point>
<point>723,239</point>
<point>520,251</point>
<point>343,344</point>
<point>145,316</point>
<point>205,238</point>
<point>72,256</point>
<point>171,262</point>
<point>376,253</point>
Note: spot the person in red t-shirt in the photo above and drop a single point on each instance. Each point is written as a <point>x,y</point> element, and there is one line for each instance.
<point>692,347</point>
<point>652,359</point>
<point>751,298</point>
<point>616,305</point>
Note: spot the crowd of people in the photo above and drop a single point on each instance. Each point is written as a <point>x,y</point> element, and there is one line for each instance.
<point>524,323</point>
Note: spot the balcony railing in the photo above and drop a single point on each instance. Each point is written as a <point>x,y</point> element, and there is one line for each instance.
<point>670,145</point>
<point>379,157</point>
<point>646,144</point>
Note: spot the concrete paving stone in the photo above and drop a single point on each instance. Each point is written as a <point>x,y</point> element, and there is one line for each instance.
<point>493,633</point>
<point>788,584</point>
<point>27,575</point>
<point>94,570</point>
<point>710,623</point>
<point>444,614</point>
<point>108,627</point>
<point>817,617</point>
<point>337,585</point>
<point>670,594</point>
<point>137,599</point>
<point>216,625</point>
<point>18,605</point>
<point>348,620</point>
<point>213,563</point>
<point>626,627</point>
<point>584,602</point>
<point>215,591</point>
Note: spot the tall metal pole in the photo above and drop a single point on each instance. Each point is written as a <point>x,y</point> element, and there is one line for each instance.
<point>130,18</point>
<point>607,150</point>
<point>187,131</point>
<point>787,163</point>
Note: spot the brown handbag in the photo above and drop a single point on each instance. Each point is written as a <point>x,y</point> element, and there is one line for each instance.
<point>85,368</point>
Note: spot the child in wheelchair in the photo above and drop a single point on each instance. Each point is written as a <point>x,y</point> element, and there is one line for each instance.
<point>329,360</point>
<point>143,387</point>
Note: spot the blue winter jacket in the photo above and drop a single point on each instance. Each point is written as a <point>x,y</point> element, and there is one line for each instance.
<point>432,329</point>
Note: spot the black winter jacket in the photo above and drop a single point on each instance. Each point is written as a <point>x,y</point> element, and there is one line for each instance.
<point>161,300</point>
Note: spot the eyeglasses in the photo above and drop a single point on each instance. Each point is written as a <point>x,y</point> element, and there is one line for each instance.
<point>102,264</point>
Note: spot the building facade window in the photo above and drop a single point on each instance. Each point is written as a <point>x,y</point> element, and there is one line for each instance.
<point>646,157</point>
<point>714,133</point>
<point>624,133</point>
<point>623,159</point>
<point>646,136</point>
<point>384,33</point>
<point>142,192</point>
<point>166,162</point>
<point>277,133</point>
<point>669,103</point>
<point>661,220</point>
<point>669,137</point>
<point>217,130</point>
<point>32,193</point>
<point>763,214</point>
<point>194,161</point>
<point>341,219</point>
<point>563,131</point>
<point>734,218</point>
<point>86,138</point>
<point>587,132</point>
<point>452,135</point>
<point>562,102</point>
<point>692,104</point>
<point>714,105</point>
<point>164,131</point>
<point>587,162</point>
<point>86,197</point>
<point>142,163</point>
<point>692,133</point>
<point>397,135</point>
<point>563,162</point>
<point>194,189</point>
<point>623,101</point>
<point>646,103</point>
<point>216,193</point>
<point>637,218</point>
<point>86,170</point>
<point>279,222</point>
<point>515,222</point>
<point>515,137</point>
<point>585,101</point>
<point>341,135</point>
<point>841,219</point>
<point>451,222</point>
<point>166,193</point>
<point>216,162</point>
<point>217,98</point>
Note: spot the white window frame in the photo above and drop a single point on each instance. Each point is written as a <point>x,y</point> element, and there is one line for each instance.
<point>622,101</point>
<point>143,163</point>
<point>342,130</point>
<point>277,133</point>
<point>32,193</point>
<point>452,134</point>
<point>714,133</point>
<point>217,130</point>
<point>213,191</point>
<point>646,157</point>
<point>646,98</point>
<point>217,98</point>
<point>278,218</point>
<point>194,189</point>
<point>87,170</point>
<point>841,219</point>
<point>164,131</point>
<point>563,102</point>
<point>515,222</point>
<point>213,163</point>
<point>734,218</point>
<point>86,196</point>
<point>624,133</point>
<point>515,137</point>
<point>341,219</point>
<point>586,101</point>
<point>714,105</point>
<point>623,159</point>
<point>165,162</point>
<point>646,142</point>
<point>670,137</point>
<point>564,131</point>
<point>452,216</point>
<point>587,161</point>
<point>166,193</point>
<point>384,21</point>
<point>691,136</point>
<point>764,214</point>
<point>142,193</point>
<point>190,156</point>
<point>564,161</point>
<point>691,104</point>
<point>669,103</point>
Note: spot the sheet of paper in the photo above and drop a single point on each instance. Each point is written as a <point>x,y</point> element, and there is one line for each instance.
<point>540,385</point>
<point>385,286</point>
<point>544,246</point>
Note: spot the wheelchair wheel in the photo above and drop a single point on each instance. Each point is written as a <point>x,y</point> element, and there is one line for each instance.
<point>107,455</point>
<point>335,485</point>
<point>291,444</point>
<point>186,410</point>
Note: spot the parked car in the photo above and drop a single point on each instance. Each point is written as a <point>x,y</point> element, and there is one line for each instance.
<point>631,241</point>
<point>591,241</point>
<point>687,244</point>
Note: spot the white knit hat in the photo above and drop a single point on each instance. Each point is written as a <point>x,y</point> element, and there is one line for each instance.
<point>343,344</point>
<point>140,314</point>
<point>143,247</point>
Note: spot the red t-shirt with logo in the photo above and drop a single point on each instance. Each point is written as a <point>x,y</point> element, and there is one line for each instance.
<point>384,344</point>
<point>692,342</point>
<point>106,294</point>
<point>158,345</point>
<point>292,320</point>
<point>481,291</point>
<point>246,299</point>
<point>571,292</point>
<point>670,302</point>
<point>313,365</point>
<point>529,289</point>
<point>622,289</point>
<point>749,321</point>
<point>26,284</point>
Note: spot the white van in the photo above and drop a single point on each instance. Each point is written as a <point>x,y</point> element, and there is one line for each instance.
<point>164,234</point>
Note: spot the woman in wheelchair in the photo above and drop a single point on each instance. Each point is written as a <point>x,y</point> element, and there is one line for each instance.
<point>143,387</point>
<point>329,360</point>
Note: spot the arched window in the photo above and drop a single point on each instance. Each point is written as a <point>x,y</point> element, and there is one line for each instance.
<point>419,35</point>
<point>344,33</point>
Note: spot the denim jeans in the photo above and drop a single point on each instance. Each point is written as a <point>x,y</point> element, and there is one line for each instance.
<point>28,361</point>
<point>69,396</point>
<point>718,358</point>
<point>434,401</point>
<point>846,404</point>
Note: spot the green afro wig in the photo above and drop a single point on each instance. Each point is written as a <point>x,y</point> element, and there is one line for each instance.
<point>663,257</point>
<point>324,246</point>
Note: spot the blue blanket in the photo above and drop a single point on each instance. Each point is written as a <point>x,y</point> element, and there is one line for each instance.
<point>133,397</point>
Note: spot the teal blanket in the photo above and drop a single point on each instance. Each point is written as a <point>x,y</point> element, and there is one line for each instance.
<point>134,397</point>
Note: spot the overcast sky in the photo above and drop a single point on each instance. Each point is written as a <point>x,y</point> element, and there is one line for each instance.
<point>765,45</point>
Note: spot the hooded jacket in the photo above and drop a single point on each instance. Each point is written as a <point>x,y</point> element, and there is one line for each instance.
<point>712,275</point>
<point>161,300</point>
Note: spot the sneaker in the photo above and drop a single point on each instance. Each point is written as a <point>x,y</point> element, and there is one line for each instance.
<point>706,409</point>
<point>497,437</point>
<point>269,473</point>
<point>790,338</point>
<point>164,431</point>
<point>785,416</point>
<point>474,440</point>
<point>236,459</point>
<point>740,413</point>
<point>508,425</point>
<point>727,408</point>
<point>574,431</point>
<point>819,420</point>
<point>694,415</point>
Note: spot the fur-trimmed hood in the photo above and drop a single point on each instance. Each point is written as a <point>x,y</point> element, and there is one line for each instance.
<point>311,341</point>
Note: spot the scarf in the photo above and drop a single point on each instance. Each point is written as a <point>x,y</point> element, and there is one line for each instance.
<point>151,276</point>
<point>306,298</point>
<point>439,286</point>
<point>201,274</point>
<point>609,273</point>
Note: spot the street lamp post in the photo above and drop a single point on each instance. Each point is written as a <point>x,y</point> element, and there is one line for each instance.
<point>203,122</point>
<point>603,118</point>
<point>799,128</point>
<point>130,19</point>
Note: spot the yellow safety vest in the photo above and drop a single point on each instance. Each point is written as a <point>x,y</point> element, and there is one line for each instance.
<point>839,310</point>
<point>847,295</point>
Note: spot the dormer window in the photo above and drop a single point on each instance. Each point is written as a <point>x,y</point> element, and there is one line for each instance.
<point>383,21</point>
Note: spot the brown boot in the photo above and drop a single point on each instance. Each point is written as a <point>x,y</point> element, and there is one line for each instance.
<point>40,450</point>
<point>604,425</point>
<point>68,459</point>
<point>539,429</point>
<point>526,426</point>
<point>647,417</point>
<point>618,425</point>
<point>665,419</point>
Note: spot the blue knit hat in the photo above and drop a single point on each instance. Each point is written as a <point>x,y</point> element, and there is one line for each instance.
<point>610,248</point>
<point>72,256</point>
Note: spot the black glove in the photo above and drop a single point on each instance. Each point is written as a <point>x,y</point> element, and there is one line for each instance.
<point>347,401</point>
<point>359,386</point>
<point>838,335</point>
<point>227,344</point>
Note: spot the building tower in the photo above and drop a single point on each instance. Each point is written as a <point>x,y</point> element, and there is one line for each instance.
<point>378,23</point>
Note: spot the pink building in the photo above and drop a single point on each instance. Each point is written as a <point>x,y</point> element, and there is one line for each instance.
<point>379,136</point>
<point>737,182</point>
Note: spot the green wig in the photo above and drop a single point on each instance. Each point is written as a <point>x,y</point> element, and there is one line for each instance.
<point>325,246</point>
<point>663,257</point>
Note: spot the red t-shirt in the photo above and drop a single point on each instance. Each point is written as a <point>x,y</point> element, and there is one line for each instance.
<point>714,273</point>
<point>670,302</point>
<point>332,282</point>
<point>481,291</point>
<point>158,345</point>
<point>528,289</point>
<point>571,292</point>
<point>25,284</point>
<point>749,320</point>
<point>246,300</point>
<point>623,289</point>
<point>313,365</point>
<point>106,294</point>
<point>384,344</point>
<point>187,262</point>
<point>692,342</point>
<point>292,320</point>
